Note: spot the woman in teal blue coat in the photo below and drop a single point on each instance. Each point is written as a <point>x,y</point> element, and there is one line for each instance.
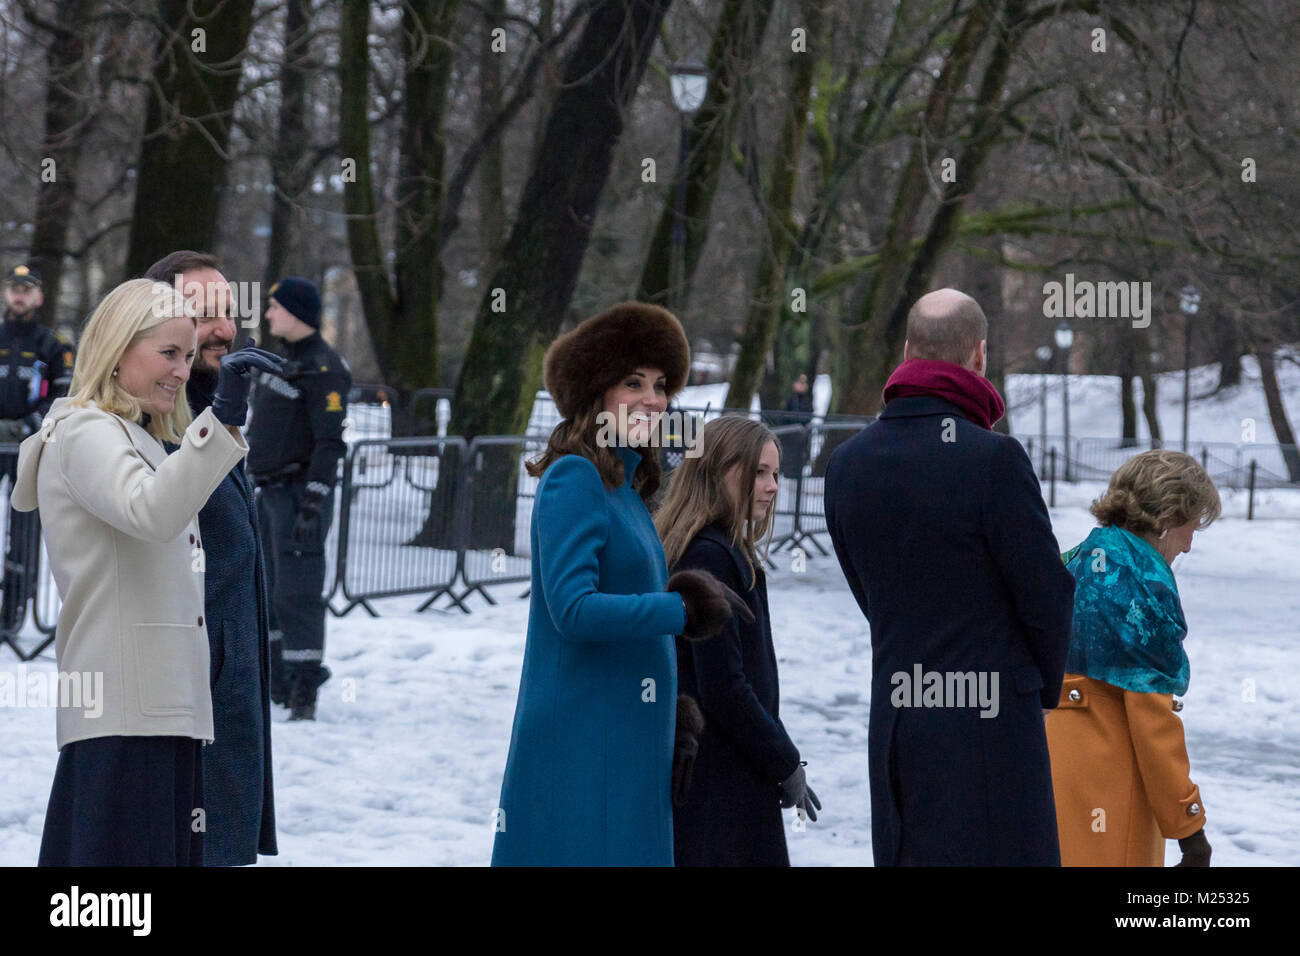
<point>590,769</point>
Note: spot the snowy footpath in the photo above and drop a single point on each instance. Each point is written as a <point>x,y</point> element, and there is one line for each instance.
<point>403,766</point>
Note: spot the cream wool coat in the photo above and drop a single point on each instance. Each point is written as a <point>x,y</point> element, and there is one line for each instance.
<point>122,534</point>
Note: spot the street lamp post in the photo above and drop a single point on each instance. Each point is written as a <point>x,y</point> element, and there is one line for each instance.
<point>1044,353</point>
<point>689,82</point>
<point>1064,339</point>
<point>1189,300</point>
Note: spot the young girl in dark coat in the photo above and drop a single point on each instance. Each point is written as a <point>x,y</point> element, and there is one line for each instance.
<point>718,506</point>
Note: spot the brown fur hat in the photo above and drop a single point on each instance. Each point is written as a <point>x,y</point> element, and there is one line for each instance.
<point>582,364</point>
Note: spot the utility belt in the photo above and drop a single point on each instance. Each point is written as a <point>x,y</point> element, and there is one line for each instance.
<point>292,472</point>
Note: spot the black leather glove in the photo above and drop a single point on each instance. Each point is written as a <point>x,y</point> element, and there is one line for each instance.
<point>795,792</point>
<point>306,523</point>
<point>686,746</point>
<point>230,402</point>
<point>1196,849</point>
<point>710,604</point>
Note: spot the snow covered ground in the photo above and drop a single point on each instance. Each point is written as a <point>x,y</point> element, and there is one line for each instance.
<point>404,764</point>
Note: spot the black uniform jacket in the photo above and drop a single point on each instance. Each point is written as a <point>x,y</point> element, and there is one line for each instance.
<point>298,417</point>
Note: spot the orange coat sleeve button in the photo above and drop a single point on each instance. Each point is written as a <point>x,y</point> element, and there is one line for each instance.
<point>203,433</point>
<point>1194,809</point>
<point>201,624</point>
<point>1075,695</point>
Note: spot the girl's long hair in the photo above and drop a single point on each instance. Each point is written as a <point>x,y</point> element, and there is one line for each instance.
<point>127,314</point>
<point>697,492</point>
<point>577,436</point>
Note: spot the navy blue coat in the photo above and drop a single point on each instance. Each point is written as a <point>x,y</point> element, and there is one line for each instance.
<point>237,784</point>
<point>941,530</point>
<point>732,815</point>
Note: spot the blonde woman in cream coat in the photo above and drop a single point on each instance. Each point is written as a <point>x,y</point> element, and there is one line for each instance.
<point>121,532</point>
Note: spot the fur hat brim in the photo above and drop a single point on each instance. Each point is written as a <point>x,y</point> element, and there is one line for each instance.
<point>581,365</point>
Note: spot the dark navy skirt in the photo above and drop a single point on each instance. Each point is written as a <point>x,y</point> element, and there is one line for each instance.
<point>126,801</point>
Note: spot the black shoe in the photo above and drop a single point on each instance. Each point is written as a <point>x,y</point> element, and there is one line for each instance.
<point>280,696</point>
<point>302,700</point>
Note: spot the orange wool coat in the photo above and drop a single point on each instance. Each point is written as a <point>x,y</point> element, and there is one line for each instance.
<point>1120,775</point>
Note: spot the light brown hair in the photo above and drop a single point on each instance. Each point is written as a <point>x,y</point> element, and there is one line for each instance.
<point>697,491</point>
<point>1157,490</point>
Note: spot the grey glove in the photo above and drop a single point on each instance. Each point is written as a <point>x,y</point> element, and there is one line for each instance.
<point>795,792</point>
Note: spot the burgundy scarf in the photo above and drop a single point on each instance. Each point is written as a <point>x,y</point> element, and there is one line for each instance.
<point>972,393</point>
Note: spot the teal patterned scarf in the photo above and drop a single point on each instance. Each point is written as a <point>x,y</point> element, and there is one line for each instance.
<point>1128,621</point>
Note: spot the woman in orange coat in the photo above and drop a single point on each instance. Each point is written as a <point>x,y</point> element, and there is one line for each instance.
<point>1119,760</point>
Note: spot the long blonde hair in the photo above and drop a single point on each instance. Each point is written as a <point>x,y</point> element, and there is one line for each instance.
<point>697,491</point>
<point>127,314</point>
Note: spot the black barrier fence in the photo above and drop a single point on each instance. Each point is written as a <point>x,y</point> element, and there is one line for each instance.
<point>443,517</point>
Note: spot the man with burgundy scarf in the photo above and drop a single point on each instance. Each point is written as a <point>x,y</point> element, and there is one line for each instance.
<point>940,527</point>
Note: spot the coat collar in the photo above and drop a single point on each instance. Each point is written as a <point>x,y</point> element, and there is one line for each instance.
<point>150,449</point>
<point>719,534</point>
<point>631,459</point>
<point>915,406</point>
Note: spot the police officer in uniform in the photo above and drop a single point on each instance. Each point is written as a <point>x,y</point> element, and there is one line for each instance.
<point>295,442</point>
<point>35,369</point>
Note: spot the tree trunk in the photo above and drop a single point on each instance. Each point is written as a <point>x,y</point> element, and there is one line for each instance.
<point>1228,348</point>
<point>1149,400</point>
<point>1127,396</point>
<point>287,164</point>
<point>1128,412</point>
<point>524,304</point>
<point>736,42</point>
<point>183,158</point>
<point>68,115</point>
<point>873,346</point>
<point>903,271</point>
<point>491,171</point>
<point>1277,413</point>
<point>768,300</point>
<point>410,353</point>
<point>364,246</point>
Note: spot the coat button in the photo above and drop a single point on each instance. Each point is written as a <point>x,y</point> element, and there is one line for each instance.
<point>1178,705</point>
<point>191,539</point>
<point>1194,809</point>
<point>203,433</point>
<point>1075,695</point>
<point>200,620</point>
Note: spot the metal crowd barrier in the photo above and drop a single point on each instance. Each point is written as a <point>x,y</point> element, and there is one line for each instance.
<point>398,529</point>
<point>444,517</point>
